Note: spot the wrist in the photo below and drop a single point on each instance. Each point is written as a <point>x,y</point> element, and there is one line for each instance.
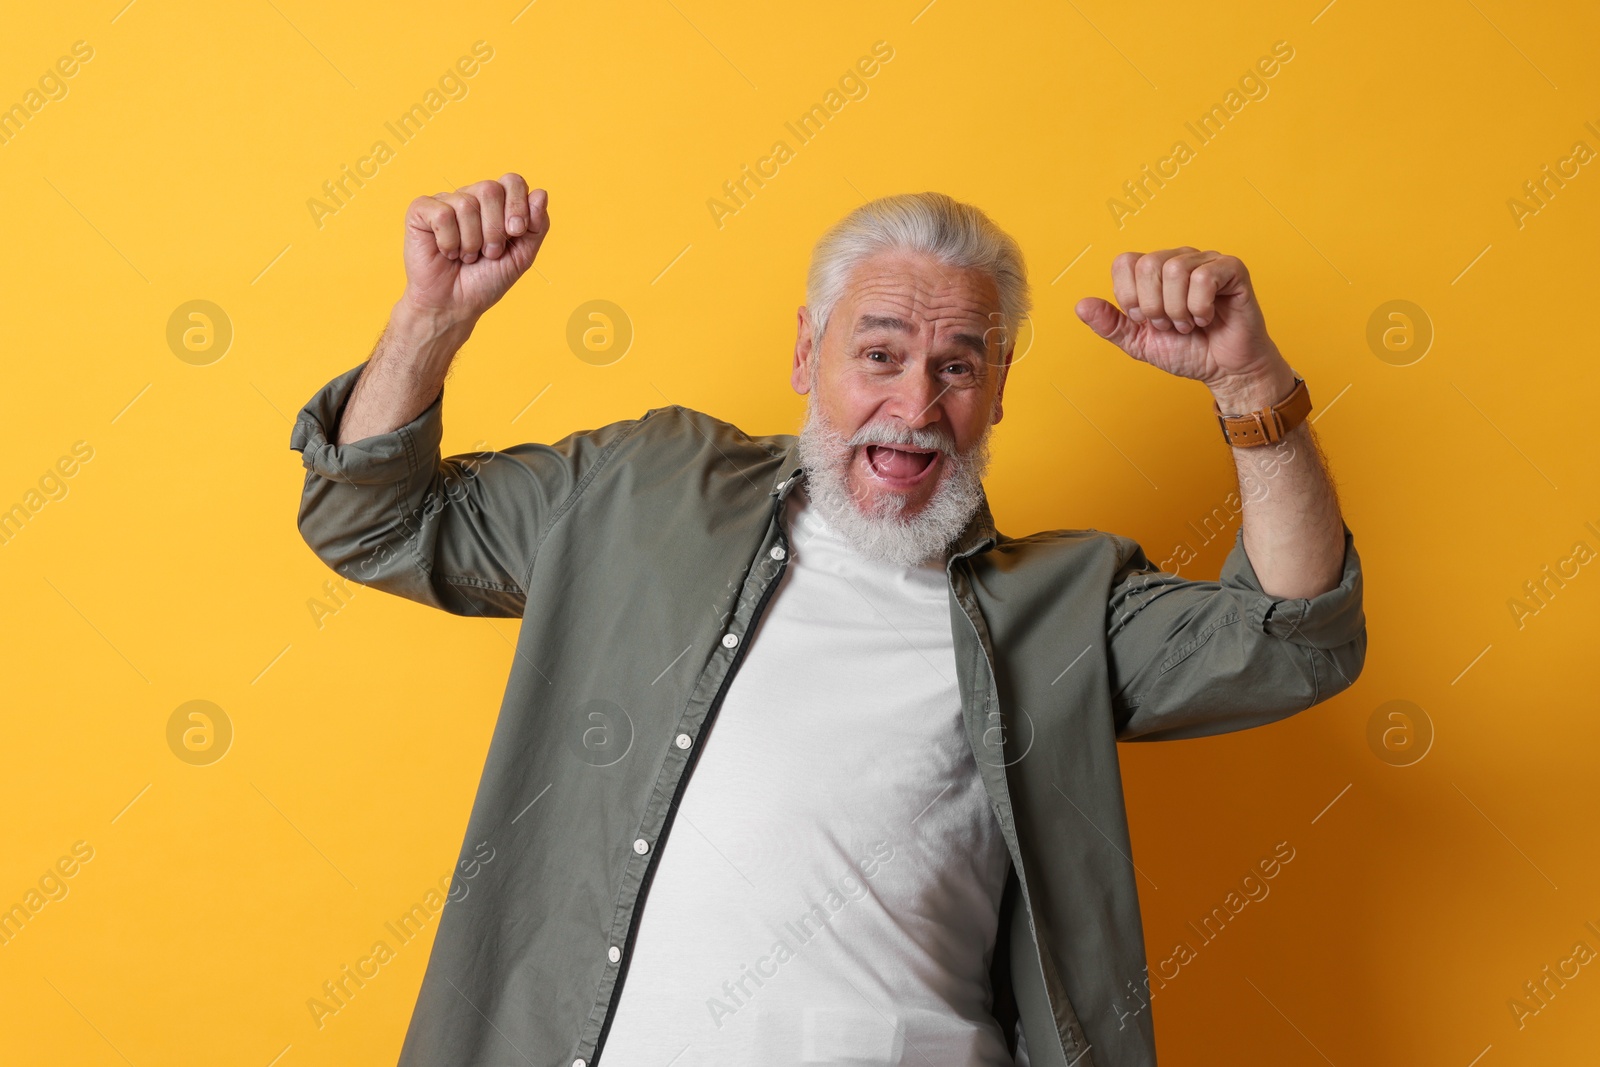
<point>1244,393</point>
<point>415,319</point>
<point>426,334</point>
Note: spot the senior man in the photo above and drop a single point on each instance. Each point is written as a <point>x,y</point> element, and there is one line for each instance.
<point>801,760</point>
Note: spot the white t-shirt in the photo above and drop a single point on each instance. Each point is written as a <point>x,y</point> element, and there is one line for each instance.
<point>829,892</point>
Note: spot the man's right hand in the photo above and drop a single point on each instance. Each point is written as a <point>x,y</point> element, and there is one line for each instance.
<point>464,250</point>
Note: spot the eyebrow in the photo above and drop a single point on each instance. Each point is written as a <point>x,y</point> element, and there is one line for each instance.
<point>890,322</point>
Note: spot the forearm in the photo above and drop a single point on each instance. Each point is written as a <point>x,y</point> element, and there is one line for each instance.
<point>1293,528</point>
<point>404,374</point>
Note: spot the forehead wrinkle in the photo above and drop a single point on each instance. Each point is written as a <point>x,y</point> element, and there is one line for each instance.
<point>904,298</point>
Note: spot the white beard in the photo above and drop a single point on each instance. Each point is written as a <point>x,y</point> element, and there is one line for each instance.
<point>875,527</point>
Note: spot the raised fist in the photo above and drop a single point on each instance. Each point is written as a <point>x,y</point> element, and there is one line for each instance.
<point>464,250</point>
<point>1188,312</point>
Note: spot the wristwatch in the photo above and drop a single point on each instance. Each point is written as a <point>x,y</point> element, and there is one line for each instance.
<point>1266,425</point>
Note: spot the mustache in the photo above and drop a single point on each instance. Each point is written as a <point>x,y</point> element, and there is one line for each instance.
<point>889,433</point>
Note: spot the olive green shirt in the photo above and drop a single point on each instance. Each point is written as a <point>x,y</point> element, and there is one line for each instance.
<point>639,556</point>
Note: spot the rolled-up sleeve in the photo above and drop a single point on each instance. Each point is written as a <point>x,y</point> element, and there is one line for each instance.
<point>458,533</point>
<point>1192,658</point>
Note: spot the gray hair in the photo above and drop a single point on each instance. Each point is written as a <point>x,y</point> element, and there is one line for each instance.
<point>956,234</point>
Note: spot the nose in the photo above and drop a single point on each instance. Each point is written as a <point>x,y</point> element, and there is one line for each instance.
<point>916,399</point>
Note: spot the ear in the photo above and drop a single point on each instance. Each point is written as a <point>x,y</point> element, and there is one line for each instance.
<point>800,376</point>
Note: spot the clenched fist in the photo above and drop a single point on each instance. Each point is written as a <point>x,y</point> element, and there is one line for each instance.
<point>464,250</point>
<point>1190,313</point>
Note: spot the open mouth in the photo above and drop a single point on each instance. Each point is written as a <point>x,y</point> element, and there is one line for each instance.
<point>900,465</point>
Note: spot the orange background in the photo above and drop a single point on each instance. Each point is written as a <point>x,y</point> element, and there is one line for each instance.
<point>1378,166</point>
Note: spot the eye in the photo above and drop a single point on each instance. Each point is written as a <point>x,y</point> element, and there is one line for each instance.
<point>878,352</point>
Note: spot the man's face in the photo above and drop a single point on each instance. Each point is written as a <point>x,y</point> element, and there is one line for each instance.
<point>914,354</point>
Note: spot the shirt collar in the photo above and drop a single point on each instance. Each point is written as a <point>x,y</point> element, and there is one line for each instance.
<point>979,536</point>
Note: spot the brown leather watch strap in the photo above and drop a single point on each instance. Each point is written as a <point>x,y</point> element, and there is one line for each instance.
<point>1267,425</point>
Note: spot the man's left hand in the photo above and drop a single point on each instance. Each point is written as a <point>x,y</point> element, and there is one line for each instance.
<point>1193,314</point>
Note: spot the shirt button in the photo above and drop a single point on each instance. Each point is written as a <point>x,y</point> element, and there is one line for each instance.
<point>614,954</point>
<point>777,552</point>
<point>577,1063</point>
<point>641,846</point>
<point>683,741</point>
<point>729,640</point>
